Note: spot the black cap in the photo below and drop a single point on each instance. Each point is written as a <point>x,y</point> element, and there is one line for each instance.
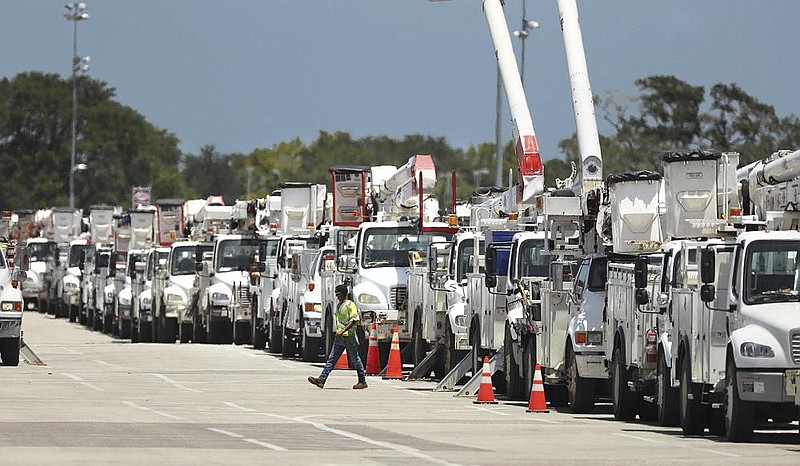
<point>341,289</point>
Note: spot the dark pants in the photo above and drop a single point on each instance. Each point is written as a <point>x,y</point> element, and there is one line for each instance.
<point>339,345</point>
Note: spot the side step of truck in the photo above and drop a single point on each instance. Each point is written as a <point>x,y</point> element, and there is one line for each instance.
<point>29,355</point>
<point>460,370</point>
<point>495,364</point>
<point>426,365</point>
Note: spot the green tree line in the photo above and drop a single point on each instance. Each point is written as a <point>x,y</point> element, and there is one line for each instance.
<point>122,149</point>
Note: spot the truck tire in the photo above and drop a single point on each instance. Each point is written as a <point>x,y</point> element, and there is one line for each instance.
<point>9,351</point>
<point>739,414</point>
<point>477,356</point>
<point>668,397</point>
<point>514,382</point>
<point>185,332</point>
<point>125,329</point>
<point>169,330</point>
<point>419,346</point>
<point>134,331</point>
<point>145,331</point>
<point>310,348</point>
<point>624,400</point>
<point>258,335</point>
<point>275,333</point>
<point>82,315</point>
<point>241,333</point>
<point>581,390</point>
<point>692,412</point>
<point>289,348</point>
<point>108,324</point>
<point>97,323</point>
<point>72,312</point>
<point>198,332</point>
<point>448,358</point>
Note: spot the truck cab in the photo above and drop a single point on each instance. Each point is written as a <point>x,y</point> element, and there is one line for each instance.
<point>35,286</point>
<point>172,290</point>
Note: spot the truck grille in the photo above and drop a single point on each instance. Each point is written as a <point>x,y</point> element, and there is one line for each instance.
<point>796,347</point>
<point>399,296</point>
<point>243,295</point>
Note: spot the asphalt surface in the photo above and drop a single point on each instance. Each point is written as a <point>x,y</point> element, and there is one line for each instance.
<point>104,401</point>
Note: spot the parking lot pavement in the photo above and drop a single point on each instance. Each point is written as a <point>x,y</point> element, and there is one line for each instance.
<point>102,401</point>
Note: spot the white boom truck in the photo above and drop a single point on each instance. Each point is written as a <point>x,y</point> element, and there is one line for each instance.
<point>11,305</point>
<point>538,321</point>
<point>62,226</point>
<point>43,253</point>
<point>262,282</point>
<point>137,235</point>
<point>738,333</point>
<point>223,294</point>
<point>302,210</point>
<point>373,210</point>
<point>172,290</point>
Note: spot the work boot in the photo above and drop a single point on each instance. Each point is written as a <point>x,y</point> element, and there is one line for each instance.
<point>360,385</point>
<point>317,381</point>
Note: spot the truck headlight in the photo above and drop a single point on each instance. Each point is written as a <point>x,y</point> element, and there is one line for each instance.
<point>109,297</point>
<point>589,338</point>
<point>220,297</point>
<point>461,320</point>
<point>11,306</point>
<point>754,350</point>
<point>366,298</point>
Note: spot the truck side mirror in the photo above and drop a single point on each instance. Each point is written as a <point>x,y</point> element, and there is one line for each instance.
<point>433,255</point>
<point>490,261</point>
<point>262,267</point>
<point>707,266</point>
<point>23,258</point>
<point>640,273</point>
<point>642,297</point>
<point>708,293</point>
<point>198,267</point>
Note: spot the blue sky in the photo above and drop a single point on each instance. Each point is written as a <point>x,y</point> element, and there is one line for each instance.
<point>242,74</point>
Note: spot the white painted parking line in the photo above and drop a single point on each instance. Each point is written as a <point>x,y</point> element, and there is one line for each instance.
<point>175,384</point>
<point>234,405</point>
<point>226,432</point>
<point>145,408</point>
<point>107,364</point>
<point>636,437</point>
<point>265,444</point>
<point>733,455</point>
<point>85,384</point>
<point>490,411</point>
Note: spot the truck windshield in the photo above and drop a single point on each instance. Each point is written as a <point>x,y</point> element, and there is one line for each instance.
<point>75,254</point>
<point>269,249</point>
<point>532,260</point>
<point>101,261</point>
<point>182,261</point>
<point>132,260</point>
<point>389,246</point>
<point>771,272</point>
<point>235,254</point>
<point>39,251</point>
<point>466,251</point>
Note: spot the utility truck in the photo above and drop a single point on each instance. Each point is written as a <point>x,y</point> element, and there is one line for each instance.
<point>43,253</point>
<point>222,312</point>
<point>378,218</point>
<point>11,305</point>
<point>172,290</point>
<point>302,211</point>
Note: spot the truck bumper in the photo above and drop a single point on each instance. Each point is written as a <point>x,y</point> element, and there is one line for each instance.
<point>766,387</point>
<point>10,328</point>
<point>591,366</point>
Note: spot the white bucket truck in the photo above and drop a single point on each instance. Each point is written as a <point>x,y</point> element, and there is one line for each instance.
<point>11,305</point>
<point>302,211</point>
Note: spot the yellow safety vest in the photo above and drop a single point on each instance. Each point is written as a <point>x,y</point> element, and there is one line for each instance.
<point>346,312</point>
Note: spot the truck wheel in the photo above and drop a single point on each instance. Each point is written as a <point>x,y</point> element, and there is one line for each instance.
<point>448,357</point>
<point>289,349</point>
<point>97,323</point>
<point>328,334</point>
<point>581,390</point>
<point>198,332</point>
<point>240,333</point>
<point>134,331</point>
<point>108,324</point>
<point>125,330</point>
<point>477,356</point>
<point>9,351</point>
<point>275,338</point>
<point>624,399</point>
<point>514,382</point>
<point>145,331</point>
<point>82,316</point>
<point>311,346</point>
<point>668,397</point>
<point>184,332</point>
<point>72,312</point>
<point>259,337</point>
<point>169,332</point>
<point>419,346</point>
<point>692,419</point>
<point>739,414</point>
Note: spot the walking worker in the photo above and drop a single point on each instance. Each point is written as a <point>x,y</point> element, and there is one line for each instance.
<point>346,318</point>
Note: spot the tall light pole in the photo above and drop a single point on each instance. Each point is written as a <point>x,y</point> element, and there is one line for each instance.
<point>527,27</point>
<point>76,12</point>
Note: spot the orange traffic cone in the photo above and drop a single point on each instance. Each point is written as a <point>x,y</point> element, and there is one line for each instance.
<point>537,403</point>
<point>486,391</point>
<point>394,370</point>
<point>373,355</point>
<point>343,363</point>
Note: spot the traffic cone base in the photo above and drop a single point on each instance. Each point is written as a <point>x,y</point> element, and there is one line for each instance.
<point>538,402</point>
<point>486,390</point>
<point>343,363</point>
<point>394,370</point>
<point>373,353</point>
